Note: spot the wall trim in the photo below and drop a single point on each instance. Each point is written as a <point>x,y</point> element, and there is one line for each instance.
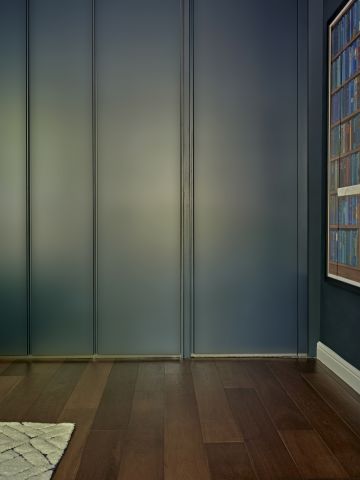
<point>248,355</point>
<point>6,358</point>
<point>224,356</point>
<point>343,369</point>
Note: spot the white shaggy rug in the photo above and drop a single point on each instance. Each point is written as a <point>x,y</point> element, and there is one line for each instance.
<point>32,450</point>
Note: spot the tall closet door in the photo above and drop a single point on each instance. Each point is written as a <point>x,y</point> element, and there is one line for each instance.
<point>61,176</point>
<point>138,100</point>
<point>12,178</point>
<point>245,123</point>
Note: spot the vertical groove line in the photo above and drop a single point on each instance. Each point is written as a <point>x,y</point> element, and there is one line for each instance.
<point>186,214</point>
<point>28,185</point>
<point>297,183</point>
<point>191,176</point>
<point>94,187</point>
<point>182,48</point>
<point>308,176</point>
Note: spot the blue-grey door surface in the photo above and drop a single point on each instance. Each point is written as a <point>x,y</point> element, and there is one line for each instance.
<point>245,176</point>
<point>13,298</point>
<point>97,186</point>
<point>138,96</point>
<point>60,40</point>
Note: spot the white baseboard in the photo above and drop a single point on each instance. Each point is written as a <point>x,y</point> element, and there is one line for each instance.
<point>339,366</point>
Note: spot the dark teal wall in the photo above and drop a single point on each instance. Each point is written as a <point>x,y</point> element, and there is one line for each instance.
<point>315,127</point>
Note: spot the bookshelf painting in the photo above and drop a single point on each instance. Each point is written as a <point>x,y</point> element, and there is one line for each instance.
<point>344,145</point>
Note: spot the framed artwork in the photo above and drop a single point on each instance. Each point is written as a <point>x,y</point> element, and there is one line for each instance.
<point>343,253</point>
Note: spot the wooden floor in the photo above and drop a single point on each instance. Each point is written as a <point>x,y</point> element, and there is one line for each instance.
<point>199,420</point>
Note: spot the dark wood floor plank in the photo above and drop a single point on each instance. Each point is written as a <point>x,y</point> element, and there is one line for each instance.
<point>143,451</point>
<point>312,456</point>
<point>150,377</point>
<point>114,410</point>
<point>229,461</point>
<point>4,366</point>
<point>7,383</point>
<point>269,455</point>
<point>343,402</point>
<point>80,409</point>
<point>101,456</point>
<point>233,374</point>
<point>54,396</point>
<point>179,368</point>
<point>14,407</point>
<point>325,370</point>
<point>341,440</point>
<point>217,422</point>
<point>90,387</point>
<point>312,365</point>
<point>282,410</point>
<point>17,368</point>
<point>70,463</point>
<point>304,365</point>
<point>142,420</point>
<point>184,452</point>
